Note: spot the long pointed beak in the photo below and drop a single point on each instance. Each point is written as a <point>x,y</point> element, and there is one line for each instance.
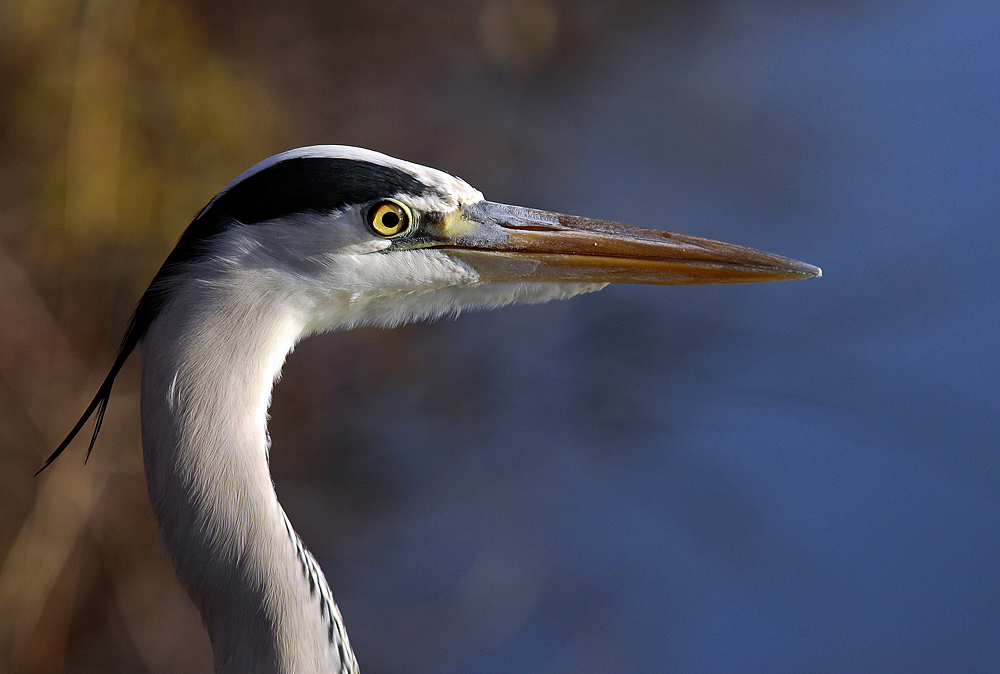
<point>510,243</point>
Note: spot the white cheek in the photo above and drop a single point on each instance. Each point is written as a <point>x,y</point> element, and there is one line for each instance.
<point>402,272</point>
<point>365,247</point>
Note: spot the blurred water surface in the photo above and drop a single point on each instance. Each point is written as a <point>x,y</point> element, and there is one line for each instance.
<point>798,477</point>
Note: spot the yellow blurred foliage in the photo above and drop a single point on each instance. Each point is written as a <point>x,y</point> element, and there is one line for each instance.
<point>119,122</point>
<point>140,122</point>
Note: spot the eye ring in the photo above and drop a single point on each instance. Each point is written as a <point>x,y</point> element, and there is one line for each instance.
<point>389,218</point>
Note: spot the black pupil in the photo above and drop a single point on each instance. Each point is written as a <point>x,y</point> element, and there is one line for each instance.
<point>390,220</point>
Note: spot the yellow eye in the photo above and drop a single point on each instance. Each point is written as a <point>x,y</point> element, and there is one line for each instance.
<point>389,218</point>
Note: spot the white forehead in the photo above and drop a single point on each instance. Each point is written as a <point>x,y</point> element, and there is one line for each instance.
<point>458,191</point>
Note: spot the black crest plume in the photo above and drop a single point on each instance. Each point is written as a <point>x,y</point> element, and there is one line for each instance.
<point>312,184</point>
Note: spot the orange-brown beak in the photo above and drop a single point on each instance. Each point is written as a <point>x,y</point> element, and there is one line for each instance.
<point>510,243</point>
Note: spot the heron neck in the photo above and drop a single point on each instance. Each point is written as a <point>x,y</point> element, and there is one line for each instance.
<point>209,363</point>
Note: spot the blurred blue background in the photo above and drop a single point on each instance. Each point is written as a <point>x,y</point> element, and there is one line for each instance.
<point>797,477</point>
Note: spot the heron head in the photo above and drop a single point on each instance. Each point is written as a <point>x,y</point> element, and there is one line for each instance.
<point>360,237</point>
<point>334,236</point>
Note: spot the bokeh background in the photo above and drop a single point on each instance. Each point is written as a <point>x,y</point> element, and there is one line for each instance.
<point>798,477</point>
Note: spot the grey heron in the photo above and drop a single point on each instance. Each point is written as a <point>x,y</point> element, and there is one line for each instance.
<point>316,239</point>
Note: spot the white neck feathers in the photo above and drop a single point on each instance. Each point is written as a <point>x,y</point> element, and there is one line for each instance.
<point>209,362</point>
